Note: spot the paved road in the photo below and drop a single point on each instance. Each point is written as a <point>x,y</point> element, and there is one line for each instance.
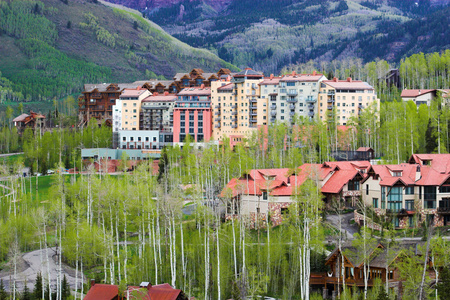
<point>349,229</point>
<point>36,262</point>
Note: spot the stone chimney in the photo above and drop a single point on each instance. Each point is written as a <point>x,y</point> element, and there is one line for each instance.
<point>349,79</point>
<point>418,173</point>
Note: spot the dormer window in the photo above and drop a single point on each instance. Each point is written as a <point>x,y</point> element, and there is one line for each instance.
<point>397,174</point>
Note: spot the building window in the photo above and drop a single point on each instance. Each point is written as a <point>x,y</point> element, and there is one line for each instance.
<point>397,174</point>
<point>191,124</point>
<point>367,189</point>
<point>444,189</point>
<point>375,202</point>
<point>139,138</point>
<point>131,139</point>
<point>353,185</point>
<point>124,139</point>
<point>264,194</point>
<point>429,194</point>
<point>146,139</point>
<point>383,197</point>
<point>200,138</point>
<point>182,117</point>
<point>409,190</point>
<point>395,199</point>
<point>409,205</point>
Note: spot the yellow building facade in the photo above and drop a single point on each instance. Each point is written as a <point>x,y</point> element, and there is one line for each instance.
<point>344,99</point>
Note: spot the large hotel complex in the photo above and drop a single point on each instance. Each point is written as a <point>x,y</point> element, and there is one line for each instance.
<point>213,106</point>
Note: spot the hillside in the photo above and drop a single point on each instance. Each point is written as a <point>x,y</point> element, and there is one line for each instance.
<point>268,35</point>
<point>50,48</point>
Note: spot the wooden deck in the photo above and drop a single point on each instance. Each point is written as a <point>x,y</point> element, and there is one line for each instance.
<point>324,279</point>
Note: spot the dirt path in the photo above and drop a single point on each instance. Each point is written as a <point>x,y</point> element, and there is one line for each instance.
<point>36,262</point>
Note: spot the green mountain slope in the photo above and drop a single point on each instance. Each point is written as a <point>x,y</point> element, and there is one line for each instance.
<point>50,48</point>
<point>268,35</point>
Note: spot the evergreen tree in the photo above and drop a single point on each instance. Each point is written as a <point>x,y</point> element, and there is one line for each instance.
<point>65,293</point>
<point>26,295</point>
<point>37,292</point>
<point>382,295</point>
<point>443,286</point>
<point>3,294</point>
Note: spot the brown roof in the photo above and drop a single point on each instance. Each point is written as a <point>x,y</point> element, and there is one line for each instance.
<point>101,87</point>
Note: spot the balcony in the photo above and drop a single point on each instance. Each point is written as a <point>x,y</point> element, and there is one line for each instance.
<point>292,100</point>
<point>292,106</point>
<point>253,121</point>
<point>234,106</point>
<point>253,107</point>
<point>272,120</point>
<point>360,106</point>
<point>331,93</point>
<point>98,108</point>
<point>234,126</point>
<point>292,92</point>
<point>310,106</point>
<point>217,119</point>
<point>217,113</point>
<point>253,101</point>
<point>330,107</point>
<point>217,106</point>
<point>292,113</point>
<point>311,114</point>
<point>273,107</point>
<point>273,113</point>
<point>252,113</point>
<point>443,210</point>
<point>96,95</point>
<point>310,99</point>
<point>217,125</point>
<point>234,113</point>
<point>329,100</point>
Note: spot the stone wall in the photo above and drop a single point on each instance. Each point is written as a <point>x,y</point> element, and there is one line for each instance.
<point>275,212</point>
<point>359,219</point>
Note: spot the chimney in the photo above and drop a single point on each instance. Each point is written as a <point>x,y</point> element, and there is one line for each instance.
<point>138,88</point>
<point>335,79</point>
<point>349,79</point>
<point>314,73</point>
<point>92,282</point>
<point>418,173</point>
<point>145,285</point>
<point>271,76</point>
<point>155,94</point>
<point>166,93</point>
<point>202,86</point>
<point>293,73</point>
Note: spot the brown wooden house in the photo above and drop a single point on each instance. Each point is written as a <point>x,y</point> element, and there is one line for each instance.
<point>32,120</point>
<point>348,266</point>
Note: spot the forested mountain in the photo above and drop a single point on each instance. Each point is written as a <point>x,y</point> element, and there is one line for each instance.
<point>268,35</point>
<point>50,48</point>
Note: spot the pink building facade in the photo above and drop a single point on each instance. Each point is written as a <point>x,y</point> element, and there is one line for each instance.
<point>192,115</point>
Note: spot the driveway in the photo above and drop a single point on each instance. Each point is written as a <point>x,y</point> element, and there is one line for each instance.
<point>348,229</point>
<point>36,262</point>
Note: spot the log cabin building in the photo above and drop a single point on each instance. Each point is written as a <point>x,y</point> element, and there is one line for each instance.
<point>347,267</point>
<point>32,120</point>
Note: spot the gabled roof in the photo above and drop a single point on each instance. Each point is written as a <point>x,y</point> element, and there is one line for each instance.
<point>415,93</point>
<point>20,118</point>
<point>302,78</point>
<point>192,91</point>
<point>101,87</point>
<point>248,72</point>
<point>270,81</point>
<point>155,292</point>
<point>227,87</point>
<point>348,84</point>
<point>102,292</point>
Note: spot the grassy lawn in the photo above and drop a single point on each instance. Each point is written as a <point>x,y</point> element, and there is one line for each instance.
<point>11,159</point>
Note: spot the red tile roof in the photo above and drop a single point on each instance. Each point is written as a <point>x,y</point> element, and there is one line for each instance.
<point>102,292</point>
<point>348,85</point>
<point>415,93</point>
<point>155,292</point>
